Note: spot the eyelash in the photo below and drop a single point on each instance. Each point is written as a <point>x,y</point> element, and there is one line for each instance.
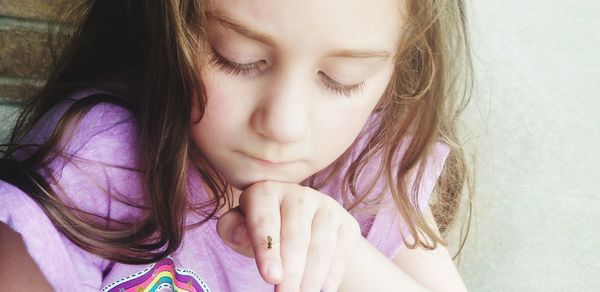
<point>232,67</point>
<point>255,67</point>
<point>339,88</point>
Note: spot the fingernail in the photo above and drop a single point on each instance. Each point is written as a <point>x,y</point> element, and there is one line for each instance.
<point>238,233</point>
<point>274,270</point>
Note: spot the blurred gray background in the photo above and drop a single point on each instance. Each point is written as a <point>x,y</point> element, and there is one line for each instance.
<point>532,127</point>
<point>535,129</point>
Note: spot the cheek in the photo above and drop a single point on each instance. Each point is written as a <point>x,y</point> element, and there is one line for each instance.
<point>340,126</point>
<point>338,131</point>
<point>216,123</point>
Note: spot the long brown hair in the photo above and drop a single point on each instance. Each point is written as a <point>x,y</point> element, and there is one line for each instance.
<point>153,46</point>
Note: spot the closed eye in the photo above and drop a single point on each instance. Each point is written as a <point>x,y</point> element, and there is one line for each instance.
<point>340,88</point>
<point>234,68</point>
<point>248,69</point>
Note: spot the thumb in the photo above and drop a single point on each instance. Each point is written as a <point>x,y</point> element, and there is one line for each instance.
<point>231,227</point>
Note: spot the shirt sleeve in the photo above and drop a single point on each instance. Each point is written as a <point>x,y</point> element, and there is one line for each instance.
<point>385,228</point>
<point>98,159</point>
<point>99,172</point>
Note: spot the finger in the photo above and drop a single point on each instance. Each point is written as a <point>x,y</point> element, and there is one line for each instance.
<point>260,204</point>
<point>298,213</point>
<point>231,227</point>
<point>321,250</point>
<point>348,235</point>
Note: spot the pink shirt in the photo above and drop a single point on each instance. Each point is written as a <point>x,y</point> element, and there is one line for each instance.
<point>203,263</point>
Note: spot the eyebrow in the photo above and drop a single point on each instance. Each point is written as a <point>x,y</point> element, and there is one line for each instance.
<point>230,23</point>
<point>383,54</point>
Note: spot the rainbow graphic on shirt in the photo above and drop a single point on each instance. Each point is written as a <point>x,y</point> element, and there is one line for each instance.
<point>160,277</point>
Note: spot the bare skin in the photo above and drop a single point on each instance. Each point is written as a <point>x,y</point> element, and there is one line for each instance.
<point>18,271</point>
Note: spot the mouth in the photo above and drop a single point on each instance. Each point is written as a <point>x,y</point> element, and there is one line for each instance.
<point>268,163</point>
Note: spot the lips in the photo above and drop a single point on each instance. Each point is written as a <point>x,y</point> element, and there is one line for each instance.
<point>269,162</point>
<point>266,161</point>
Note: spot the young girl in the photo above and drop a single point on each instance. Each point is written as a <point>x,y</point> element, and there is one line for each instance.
<point>241,146</point>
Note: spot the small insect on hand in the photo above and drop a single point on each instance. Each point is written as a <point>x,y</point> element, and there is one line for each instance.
<point>269,243</point>
<point>298,236</point>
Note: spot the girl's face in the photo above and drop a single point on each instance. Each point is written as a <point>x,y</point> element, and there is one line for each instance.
<point>291,84</point>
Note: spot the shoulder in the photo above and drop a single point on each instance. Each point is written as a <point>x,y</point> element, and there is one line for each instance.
<point>432,166</point>
<point>97,118</point>
<point>420,191</point>
<point>100,120</point>
<point>384,227</point>
<point>93,169</point>
<point>96,157</point>
<point>107,133</point>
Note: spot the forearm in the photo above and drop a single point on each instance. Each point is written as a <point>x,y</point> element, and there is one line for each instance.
<point>370,270</point>
<point>18,271</point>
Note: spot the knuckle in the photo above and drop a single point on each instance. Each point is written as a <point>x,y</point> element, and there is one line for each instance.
<point>262,195</point>
<point>328,217</point>
<point>330,202</point>
<point>307,191</point>
<point>300,200</point>
<point>302,209</point>
<point>262,220</point>
<point>270,186</point>
<point>261,187</point>
<point>302,203</point>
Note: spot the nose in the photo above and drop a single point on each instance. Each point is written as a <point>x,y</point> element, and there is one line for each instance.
<point>283,115</point>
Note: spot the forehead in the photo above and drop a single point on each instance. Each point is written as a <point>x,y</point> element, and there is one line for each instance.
<point>365,24</point>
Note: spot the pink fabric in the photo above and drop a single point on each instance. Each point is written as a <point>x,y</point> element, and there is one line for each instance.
<point>203,263</point>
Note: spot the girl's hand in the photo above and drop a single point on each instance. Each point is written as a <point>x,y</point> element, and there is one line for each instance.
<point>312,236</point>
